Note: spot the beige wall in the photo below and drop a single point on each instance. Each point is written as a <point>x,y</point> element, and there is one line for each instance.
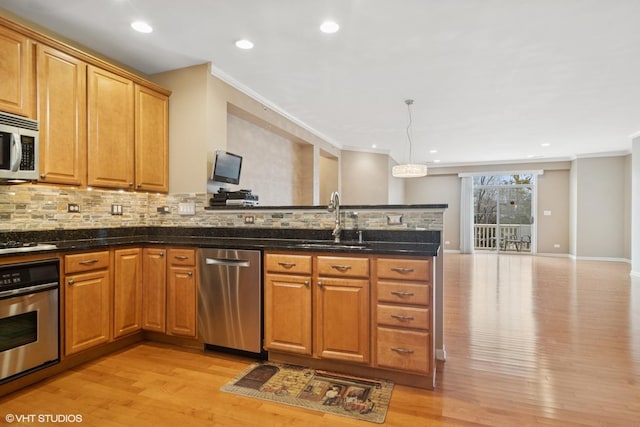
<point>270,164</point>
<point>190,128</point>
<point>601,194</point>
<point>329,173</point>
<point>198,125</point>
<point>439,189</point>
<point>364,178</point>
<point>553,196</point>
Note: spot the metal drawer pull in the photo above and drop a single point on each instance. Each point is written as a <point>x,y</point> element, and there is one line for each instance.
<point>287,264</point>
<point>341,267</point>
<point>402,350</point>
<point>402,318</point>
<point>402,293</point>
<point>89,261</point>
<point>402,269</point>
<point>71,282</point>
<point>181,257</point>
<point>306,283</point>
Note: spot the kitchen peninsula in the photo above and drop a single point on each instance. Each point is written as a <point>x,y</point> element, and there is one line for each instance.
<point>278,232</point>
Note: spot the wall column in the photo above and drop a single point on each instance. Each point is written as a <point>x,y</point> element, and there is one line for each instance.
<point>635,206</point>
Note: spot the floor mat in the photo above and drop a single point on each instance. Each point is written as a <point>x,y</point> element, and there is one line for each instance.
<point>355,397</point>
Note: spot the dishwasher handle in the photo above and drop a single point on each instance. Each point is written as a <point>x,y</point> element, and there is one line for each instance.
<point>229,262</point>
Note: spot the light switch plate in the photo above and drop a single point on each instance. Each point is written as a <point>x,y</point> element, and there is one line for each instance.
<point>187,208</point>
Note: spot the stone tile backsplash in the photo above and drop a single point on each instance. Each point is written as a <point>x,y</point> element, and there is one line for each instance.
<point>37,207</point>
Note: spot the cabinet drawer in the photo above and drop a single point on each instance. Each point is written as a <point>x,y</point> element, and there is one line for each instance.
<point>182,257</point>
<point>406,350</point>
<point>404,269</point>
<point>86,262</point>
<point>408,317</point>
<point>343,266</point>
<point>285,263</point>
<point>406,293</point>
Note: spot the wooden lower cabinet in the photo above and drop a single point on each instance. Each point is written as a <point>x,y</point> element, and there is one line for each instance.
<point>287,310</point>
<point>314,309</point>
<point>87,297</point>
<point>127,291</point>
<point>181,293</point>
<point>154,289</point>
<point>404,314</point>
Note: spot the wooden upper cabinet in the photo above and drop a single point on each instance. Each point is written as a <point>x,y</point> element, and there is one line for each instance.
<point>151,140</point>
<point>111,129</point>
<point>17,74</point>
<point>62,81</point>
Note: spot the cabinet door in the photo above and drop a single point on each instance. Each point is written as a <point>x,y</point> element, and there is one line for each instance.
<point>18,75</point>
<point>127,295</point>
<point>181,301</point>
<point>154,289</point>
<point>110,138</point>
<point>342,310</point>
<point>87,310</point>
<point>62,92</point>
<point>287,310</point>
<point>151,140</point>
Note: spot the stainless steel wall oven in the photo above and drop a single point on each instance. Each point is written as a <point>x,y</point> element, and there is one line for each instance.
<point>29,318</point>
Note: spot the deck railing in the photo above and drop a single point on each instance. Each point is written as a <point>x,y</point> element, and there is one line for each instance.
<point>513,237</point>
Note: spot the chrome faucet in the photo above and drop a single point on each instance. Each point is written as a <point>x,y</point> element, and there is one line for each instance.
<point>334,206</point>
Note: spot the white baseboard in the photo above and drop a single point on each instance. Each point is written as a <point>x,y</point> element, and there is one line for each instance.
<point>635,274</point>
<point>553,255</point>
<point>596,258</point>
<point>452,251</point>
<point>441,354</point>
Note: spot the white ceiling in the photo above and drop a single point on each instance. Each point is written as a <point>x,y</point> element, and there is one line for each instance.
<point>492,79</point>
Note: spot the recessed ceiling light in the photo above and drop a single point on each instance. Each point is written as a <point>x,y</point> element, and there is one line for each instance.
<point>436,161</point>
<point>141,27</point>
<point>433,151</point>
<point>329,27</point>
<point>244,44</point>
<point>545,144</point>
<point>373,146</point>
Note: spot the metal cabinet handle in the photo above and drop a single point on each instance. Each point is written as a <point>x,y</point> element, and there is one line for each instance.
<point>71,282</point>
<point>402,350</point>
<point>89,262</point>
<point>402,318</point>
<point>306,283</point>
<point>161,254</point>
<point>287,264</point>
<point>402,293</point>
<point>402,269</point>
<point>190,273</point>
<point>43,176</point>
<point>320,284</point>
<point>341,267</point>
<point>181,257</point>
<point>139,186</point>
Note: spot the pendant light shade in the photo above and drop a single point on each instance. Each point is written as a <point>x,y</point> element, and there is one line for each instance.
<point>409,170</point>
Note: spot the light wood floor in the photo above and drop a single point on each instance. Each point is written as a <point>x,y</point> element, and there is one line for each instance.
<point>529,340</point>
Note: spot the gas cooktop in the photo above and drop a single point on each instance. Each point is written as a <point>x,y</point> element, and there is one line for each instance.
<point>19,247</point>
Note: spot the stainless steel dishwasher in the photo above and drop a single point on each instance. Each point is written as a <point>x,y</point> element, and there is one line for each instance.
<point>230,299</point>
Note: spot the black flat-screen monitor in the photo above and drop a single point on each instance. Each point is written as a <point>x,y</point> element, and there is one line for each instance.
<point>227,168</point>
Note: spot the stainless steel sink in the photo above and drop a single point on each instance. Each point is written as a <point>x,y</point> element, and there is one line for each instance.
<point>332,245</point>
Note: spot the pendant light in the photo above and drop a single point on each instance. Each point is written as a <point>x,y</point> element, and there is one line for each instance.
<point>409,170</point>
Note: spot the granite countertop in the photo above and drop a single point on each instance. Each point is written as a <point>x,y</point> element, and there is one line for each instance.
<point>406,242</point>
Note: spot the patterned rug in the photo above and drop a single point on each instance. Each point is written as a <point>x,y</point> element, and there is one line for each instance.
<point>360,398</point>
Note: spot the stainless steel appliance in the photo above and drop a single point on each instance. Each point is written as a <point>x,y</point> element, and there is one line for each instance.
<point>29,322</point>
<point>19,151</point>
<point>230,299</point>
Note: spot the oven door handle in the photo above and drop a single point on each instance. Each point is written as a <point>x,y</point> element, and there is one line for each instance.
<point>12,293</point>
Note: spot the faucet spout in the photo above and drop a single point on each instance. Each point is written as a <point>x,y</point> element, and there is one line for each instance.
<point>334,206</point>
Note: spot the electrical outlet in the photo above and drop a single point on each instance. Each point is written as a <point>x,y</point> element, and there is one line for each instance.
<point>394,219</point>
<point>163,209</point>
<point>73,207</point>
<point>116,209</point>
<point>249,219</point>
<point>556,245</point>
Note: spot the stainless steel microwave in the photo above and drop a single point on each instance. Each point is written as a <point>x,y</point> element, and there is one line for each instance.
<point>19,152</point>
